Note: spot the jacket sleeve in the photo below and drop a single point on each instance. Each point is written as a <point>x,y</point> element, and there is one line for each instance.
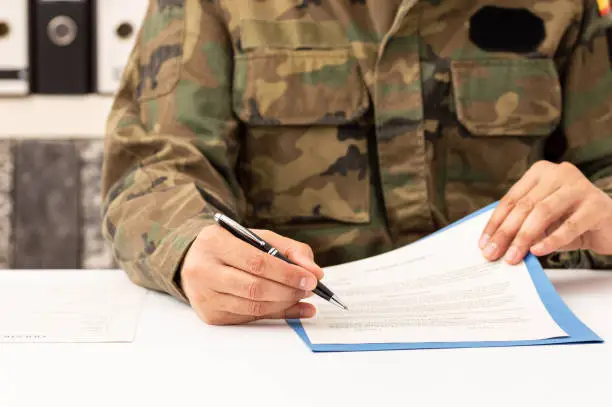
<point>587,117</point>
<point>171,143</point>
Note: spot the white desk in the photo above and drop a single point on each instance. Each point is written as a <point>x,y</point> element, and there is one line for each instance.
<point>177,361</point>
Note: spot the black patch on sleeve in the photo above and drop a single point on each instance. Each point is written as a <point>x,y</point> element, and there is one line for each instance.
<point>497,29</point>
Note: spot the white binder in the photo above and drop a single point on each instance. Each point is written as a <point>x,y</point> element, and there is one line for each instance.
<point>118,22</point>
<point>14,48</point>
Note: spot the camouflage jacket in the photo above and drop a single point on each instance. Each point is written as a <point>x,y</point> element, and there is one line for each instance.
<point>355,126</point>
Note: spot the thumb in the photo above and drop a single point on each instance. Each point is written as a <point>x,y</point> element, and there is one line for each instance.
<point>298,252</point>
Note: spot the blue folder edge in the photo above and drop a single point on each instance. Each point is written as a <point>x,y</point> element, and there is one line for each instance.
<point>577,331</point>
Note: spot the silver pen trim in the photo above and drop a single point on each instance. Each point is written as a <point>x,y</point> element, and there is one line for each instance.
<point>336,301</point>
<point>238,227</point>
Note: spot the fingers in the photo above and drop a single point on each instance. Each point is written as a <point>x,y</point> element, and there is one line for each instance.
<point>236,282</point>
<point>228,281</point>
<point>506,205</point>
<point>242,306</point>
<point>554,207</point>
<point>225,309</point>
<point>298,311</point>
<point>528,222</point>
<point>574,245</point>
<point>238,254</point>
<point>570,233</point>
<point>297,252</point>
<point>546,193</point>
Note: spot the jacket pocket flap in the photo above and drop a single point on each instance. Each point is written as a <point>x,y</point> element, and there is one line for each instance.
<point>292,34</point>
<point>298,87</point>
<point>507,97</point>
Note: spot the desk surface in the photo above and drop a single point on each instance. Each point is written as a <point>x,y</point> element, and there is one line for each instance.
<point>176,360</point>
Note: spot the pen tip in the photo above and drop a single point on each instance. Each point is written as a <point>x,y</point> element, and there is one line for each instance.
<point>339,303</point>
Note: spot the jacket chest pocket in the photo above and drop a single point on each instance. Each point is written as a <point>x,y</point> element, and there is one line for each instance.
<point>298,87</point>
<point>305,152</point>
<point>506,109</point>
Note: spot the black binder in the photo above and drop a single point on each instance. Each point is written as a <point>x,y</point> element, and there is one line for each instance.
<point>62,46</point>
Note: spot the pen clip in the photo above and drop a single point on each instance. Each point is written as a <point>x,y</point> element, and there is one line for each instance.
<point>240,229</point>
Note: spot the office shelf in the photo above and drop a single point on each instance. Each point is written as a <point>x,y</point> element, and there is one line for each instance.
<point>54,117</point>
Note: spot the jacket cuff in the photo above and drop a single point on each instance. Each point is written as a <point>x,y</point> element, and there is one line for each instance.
<point>169,255</point>
<point>578,259</point>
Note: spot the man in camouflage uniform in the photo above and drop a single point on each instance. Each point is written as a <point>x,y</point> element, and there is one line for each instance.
<point>351,127</point>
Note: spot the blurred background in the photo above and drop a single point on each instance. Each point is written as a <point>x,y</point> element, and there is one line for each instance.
<point>60,63</point>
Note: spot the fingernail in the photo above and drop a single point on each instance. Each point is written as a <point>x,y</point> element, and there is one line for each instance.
<point>539,248</point>
<point>306,313</point>
<point>307,294</point>
<point>484,240</point>
<point>490,250</point>
<point>511,254</point>
<point>307,283</point>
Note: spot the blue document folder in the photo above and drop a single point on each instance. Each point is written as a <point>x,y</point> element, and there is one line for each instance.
<point>577,332</point>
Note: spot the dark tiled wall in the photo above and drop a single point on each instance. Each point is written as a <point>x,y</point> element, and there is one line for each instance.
<point>94,252</point>
<point>6,205</point>
<point>50,205</point>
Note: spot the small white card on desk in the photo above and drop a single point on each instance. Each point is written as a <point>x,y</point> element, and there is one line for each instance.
<point>69,306</point>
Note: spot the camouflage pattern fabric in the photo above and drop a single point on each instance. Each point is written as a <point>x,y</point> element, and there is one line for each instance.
<point>355,126</point>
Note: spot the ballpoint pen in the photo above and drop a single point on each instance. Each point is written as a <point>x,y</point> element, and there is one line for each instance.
<point>251,238</point>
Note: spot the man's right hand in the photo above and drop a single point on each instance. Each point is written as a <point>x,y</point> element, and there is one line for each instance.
<point>228,281</point>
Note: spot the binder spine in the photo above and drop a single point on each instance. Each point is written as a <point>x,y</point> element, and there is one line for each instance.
<point>62,46</point>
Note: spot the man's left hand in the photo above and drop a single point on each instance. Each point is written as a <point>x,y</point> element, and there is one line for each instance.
<point>553,207</point>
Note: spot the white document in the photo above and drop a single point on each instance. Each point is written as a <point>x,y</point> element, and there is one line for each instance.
<point>439,289</point>
<point>14,48</point>
<point>70,306</point>
<point>117,27</point>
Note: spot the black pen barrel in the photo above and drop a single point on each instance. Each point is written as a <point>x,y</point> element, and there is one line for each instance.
<point>323,291</point>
